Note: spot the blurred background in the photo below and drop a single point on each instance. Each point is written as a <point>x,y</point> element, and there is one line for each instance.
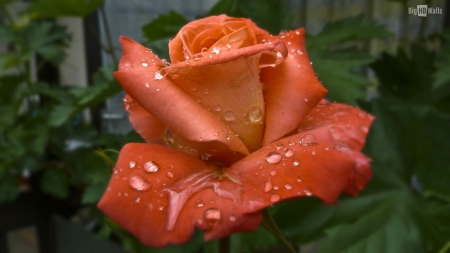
<point>62,122</point>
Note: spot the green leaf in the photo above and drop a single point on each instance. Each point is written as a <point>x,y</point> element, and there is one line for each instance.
<point>55,182</point>
<point>93,193</point>
<point>8,188</point>
<point>164,26</point>
<point>104,86</point>
<point>336,70</point>
<point>272,15</point>
<point>349,29</point>
<point>260,239</point>
<point>58,8</point>
<point>48,40</point>
<point>6,33</point>
<point>442,74</point>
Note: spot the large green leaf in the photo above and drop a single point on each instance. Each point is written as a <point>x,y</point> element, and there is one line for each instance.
<point>164,26</point>
<point>58,8</point>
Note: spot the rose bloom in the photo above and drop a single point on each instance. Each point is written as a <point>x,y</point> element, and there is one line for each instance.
<point>237,123</point>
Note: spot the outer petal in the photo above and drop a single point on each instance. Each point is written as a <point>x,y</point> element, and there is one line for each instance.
<point>227,84</point>
<point>160,195</point>
<point>292,87</point>
<point>349,127</point>
<point>149,127</point>
<point>139,76</point>
<point>289,169</point>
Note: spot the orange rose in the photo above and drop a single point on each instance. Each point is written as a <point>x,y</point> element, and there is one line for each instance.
<point>236,124</point>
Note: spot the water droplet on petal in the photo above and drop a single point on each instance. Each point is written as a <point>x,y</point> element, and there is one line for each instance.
<point>160,207</point>
<point>212,215</point>
<point>289,152</point>
<point>232,217</point>
<point>299,51</point>
<point>282,34</point>
<point>199,100</point>
<point>255,114</point>
<point>137,199</point>
<point>267,186</point>
<point>199,203</point>
<point>228,116</point>
<point>291,142</point>
<point>323,103</point>
<point>228,45</point>
<point>273,157</point>
<point>169,174</point>
<point>279,145</point>
<point>275,198</point>
<point>273,173</point>
<point>306,99</point>
<point>151,166</point>
<point>158,75</point>
<point>193,88</point>
<point>216,50</point>
<point>308,140</point>
<point>295,162</point>
<point>139,183</point>
<point>361,115</point>
<point>313,152</point>
<point>206,91</point>
<point>144,63</point>
<point>132,164</point>
<point>364,129</point>
<point>299,179</point>
<point>218,108</point>
<point>288,186</point>
<point>308,192</point>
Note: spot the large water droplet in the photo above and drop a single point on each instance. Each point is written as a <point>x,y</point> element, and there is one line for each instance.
<point>212,215</point>
<point>308,140</point>
<point>158,75</point>
<point>132,164</point>
<point>151,166</point>
<point>255,114</point>
<point>228,116</point>
<point>274,198</point>
<point>295,162</point>
<point>267,186</point>
<point>199,203</point>
<point>289,152</point>
<point>273,157</point>
<point>139,183</point>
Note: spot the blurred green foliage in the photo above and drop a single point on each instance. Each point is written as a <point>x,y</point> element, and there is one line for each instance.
<point>405,207</point>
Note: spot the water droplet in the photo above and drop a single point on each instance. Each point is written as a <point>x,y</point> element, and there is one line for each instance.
<point>144,63</point>
<point>193,88</point>
<point>199,203</point>
<point>273,173</point>
<point>323,103</point>
<point>299,51</point>
<point>199,100</point>
<point>228,137</point>
<point>279,145</point>
<point>218,108</point>
<point>206,91</point>
<point>308,192</point>
<point>289,42</point>
<point>158,89</point>
<point>255,114</point>
<point>147,85</point>
<point>299,179</point>
<point>295,162</point>
<point>212,215</point>
<point>228,116</point>
<point>228,45</point>
<point>160,207</point>
<point>137,199</point>
<point>199,222</point>
<point>273,157</point>
<point>361,115</point>
<point>216,50</point>
<point>139,183</point>
<point>308,140</point>
<point>168,135</point>
<point>313,152</point>
<point>166,62</point>
<point>306,99</point>
<point>364,129</point>
<point>282,34</point>
<point>205,156</point>
<point>151,166</point>
<point>289,152</point>
<point>132,164</point>
<point>267,186</point>
<point>288,186</point>
<point>169,174</point>
<point>158,75</point>
<point>232,217</point>
<point>275,187</point>
<point>274,198</point>
<point>291,142</point>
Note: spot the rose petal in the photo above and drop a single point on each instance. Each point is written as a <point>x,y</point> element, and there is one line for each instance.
<point>150,128</point>
<point>236,99</point>
<point>160,194</point>
<point>292,87</point>
<point>288,169</point>
<point>204,33</point>
<point>349,127</point>
<point>164,100</point>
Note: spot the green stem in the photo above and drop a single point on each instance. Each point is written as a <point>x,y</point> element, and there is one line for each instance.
<point>108,34</point>
<point>224,245</point>
<point>445,248</point>
<point>270,225</point>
